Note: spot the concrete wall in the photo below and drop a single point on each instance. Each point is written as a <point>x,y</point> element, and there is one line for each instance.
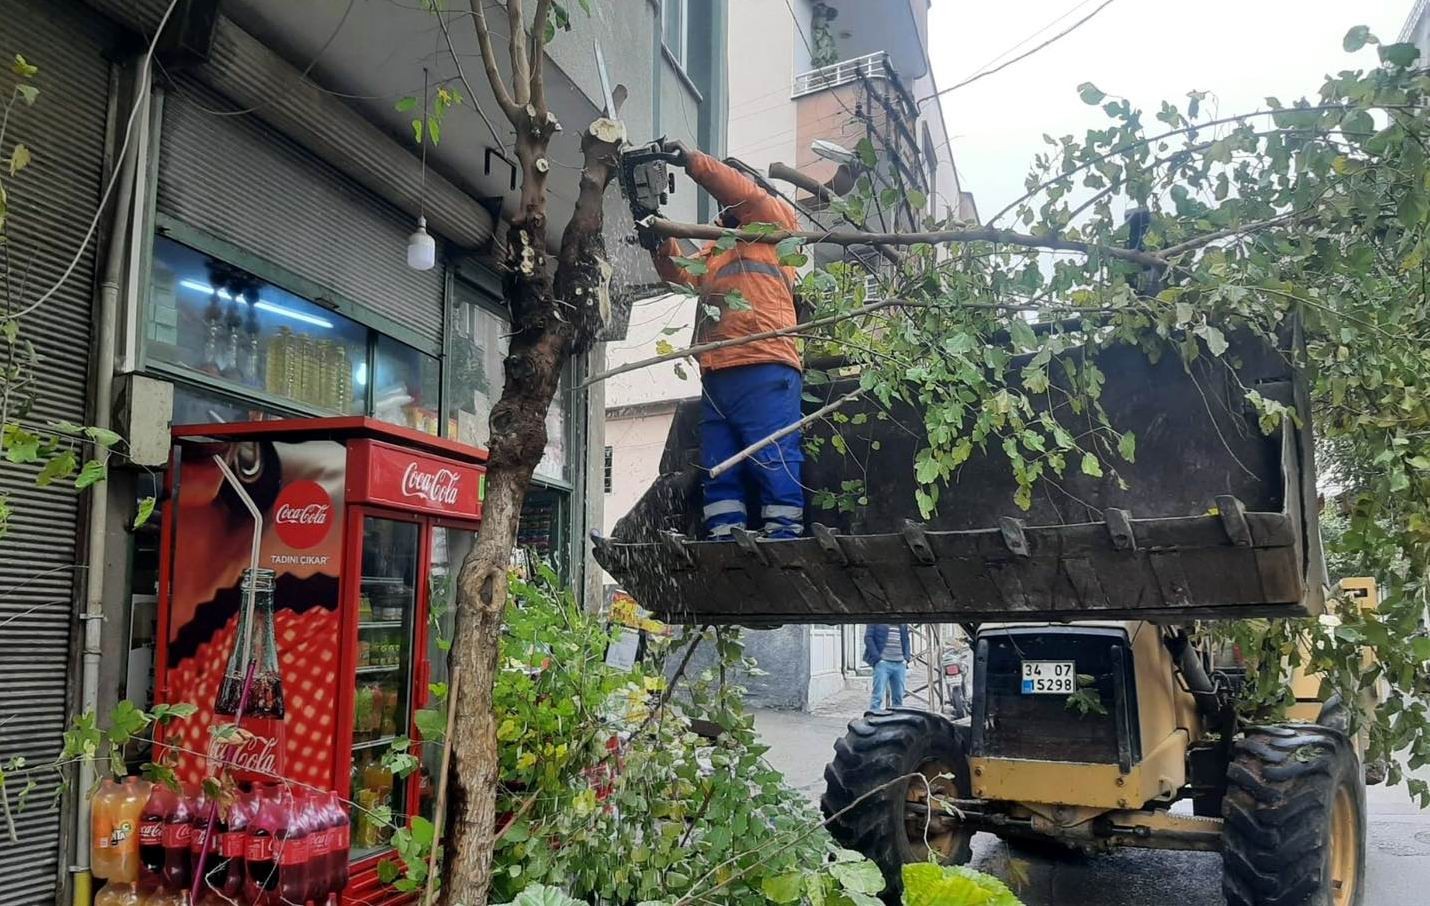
<point>765,52</point>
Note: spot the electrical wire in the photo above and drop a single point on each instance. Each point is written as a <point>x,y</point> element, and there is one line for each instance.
<point>141,95</point>
<point>1023,56</point>
<point>1030,36</point>
<point>292,84</point>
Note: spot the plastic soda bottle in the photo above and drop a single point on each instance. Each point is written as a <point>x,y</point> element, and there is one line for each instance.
<point>103,861</point>
<point>117,894</point>
<point>124,837</point>
<point>292,850</point>
<point>268,826</point>
<point>177,834</point>
<point>342,840</point>
<point>152,818</point>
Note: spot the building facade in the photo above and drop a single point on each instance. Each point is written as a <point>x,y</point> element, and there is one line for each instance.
<point>801,75</point>
<point>252,196</point>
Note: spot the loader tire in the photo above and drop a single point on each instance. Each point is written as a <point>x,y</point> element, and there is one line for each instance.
<point>1294,810</point>
<point>880,747</point>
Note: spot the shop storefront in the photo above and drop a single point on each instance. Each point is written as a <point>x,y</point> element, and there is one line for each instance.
<point>274,288</point>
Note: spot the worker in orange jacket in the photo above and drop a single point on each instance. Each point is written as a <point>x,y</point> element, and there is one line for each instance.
<point>750,390</point>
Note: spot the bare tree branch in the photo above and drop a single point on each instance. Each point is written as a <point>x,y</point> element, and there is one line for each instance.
<point>673,229</point>
<point>462,76</point>
<point>516,46</point>
<point>489,62</point>
<point>536,56</point>
<point>765,441</point>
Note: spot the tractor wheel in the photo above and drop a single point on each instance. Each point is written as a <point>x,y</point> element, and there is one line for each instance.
<point>890,827</point>
<point>1295,819</point>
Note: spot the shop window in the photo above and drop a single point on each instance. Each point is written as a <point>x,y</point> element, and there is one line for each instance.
<point>405,385</point>
<point>474,367</point>
<point>222,325</point>
<point>478,347</point>
<point>193,406</point>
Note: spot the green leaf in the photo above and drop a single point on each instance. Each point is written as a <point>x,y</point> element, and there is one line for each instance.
<point>927,884</point>
<point>23,68</point>
<point>146,510</point>
<point>1215,339</point>
<point>434,129</point>
<point>61,465</point>
<point>726,242</point>
<point>423,833</point>
<point>663,347</point>
<point>1358,37</point>
<point>867,155</point>
<point>859,877</point>
<point>405,104</point>
<point>786,888</point>
<point>541,895</point>
<point>164,714</point>
<point>388,871</point>
<point>695,267</point>
<point>736,301</point>
<point>1021,333</point>
<point>20,158</point>
<point>789,253</point>
<point>431,723</point>
<point>93,471</point>
<point>102,436</point>
<point>20,445</point>
<point>1127,446</point>
<point>1090,93</point>
<point>1090,465</point>
<point>28,93</point>
<point>1402,55</point>
<point>417,131</point>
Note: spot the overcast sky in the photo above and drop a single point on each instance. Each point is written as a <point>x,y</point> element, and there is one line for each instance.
<point>1145,50</point>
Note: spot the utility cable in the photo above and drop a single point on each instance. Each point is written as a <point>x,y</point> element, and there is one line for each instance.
<point>1023,56</point>
<point>141,95</point>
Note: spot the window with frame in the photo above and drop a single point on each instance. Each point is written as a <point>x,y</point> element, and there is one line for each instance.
<point>673,28</point>
<point>606,473</point>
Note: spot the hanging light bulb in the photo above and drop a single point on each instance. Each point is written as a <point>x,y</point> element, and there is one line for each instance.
<point>421,248</point>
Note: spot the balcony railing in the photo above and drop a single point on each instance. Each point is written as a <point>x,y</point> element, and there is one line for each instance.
<point>869,66</point>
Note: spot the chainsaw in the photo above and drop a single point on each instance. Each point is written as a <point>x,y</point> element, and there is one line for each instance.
<point>647,182</point>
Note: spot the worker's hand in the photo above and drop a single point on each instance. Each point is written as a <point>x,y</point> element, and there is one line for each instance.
<point>679,149</point>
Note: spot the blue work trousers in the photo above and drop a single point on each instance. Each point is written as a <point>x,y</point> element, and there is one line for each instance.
<point>889,677</point>
<point>739,406</point>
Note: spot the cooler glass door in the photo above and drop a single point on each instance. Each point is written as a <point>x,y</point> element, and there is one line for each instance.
<point>387,608</point>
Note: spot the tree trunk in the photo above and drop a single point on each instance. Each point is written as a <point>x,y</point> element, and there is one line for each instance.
<point>551,321</point>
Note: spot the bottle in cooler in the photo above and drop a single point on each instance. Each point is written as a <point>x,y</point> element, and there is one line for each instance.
<point>258,756</point>
<point>102,809</point>
<point>177,834</point>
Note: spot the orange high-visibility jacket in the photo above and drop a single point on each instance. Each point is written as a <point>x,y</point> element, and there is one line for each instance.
<point>751,268</point>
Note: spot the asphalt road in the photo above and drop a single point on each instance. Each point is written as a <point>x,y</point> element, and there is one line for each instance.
<point>1397,856</point>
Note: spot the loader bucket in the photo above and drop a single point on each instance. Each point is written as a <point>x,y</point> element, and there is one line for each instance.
<point>1217,519</point>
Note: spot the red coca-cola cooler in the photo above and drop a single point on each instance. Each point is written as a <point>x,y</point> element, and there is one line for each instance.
<point>364,527</point>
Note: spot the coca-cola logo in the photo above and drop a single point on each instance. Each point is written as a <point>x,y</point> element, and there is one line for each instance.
<point>252,756</point>
<point>302,514</point>
<point>439,487</point>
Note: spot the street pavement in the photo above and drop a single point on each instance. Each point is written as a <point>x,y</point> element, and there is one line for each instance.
<point>1397,852</point>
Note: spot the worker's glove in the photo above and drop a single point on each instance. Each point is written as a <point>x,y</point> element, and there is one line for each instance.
<point>678,148</point>
<point>648,238</point>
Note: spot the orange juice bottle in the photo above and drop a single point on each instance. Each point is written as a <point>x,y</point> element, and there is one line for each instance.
<point>124,837</point>
<point>102,858</point>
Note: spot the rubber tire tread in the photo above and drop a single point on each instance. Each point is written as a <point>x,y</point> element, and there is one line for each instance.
<point>877,748</point>
<point>1281,785</point>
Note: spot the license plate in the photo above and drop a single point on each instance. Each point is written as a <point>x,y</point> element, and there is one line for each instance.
<point>1049,677</point>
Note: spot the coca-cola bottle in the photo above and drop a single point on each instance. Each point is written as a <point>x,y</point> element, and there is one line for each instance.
<point>258,755</point>
<point>292,850</point>
<point>338,847</point>
<point>151,833</point>
<point>178,831</point>
<point>268,825</point>
<point>315,816</point>
<point>227,878</point>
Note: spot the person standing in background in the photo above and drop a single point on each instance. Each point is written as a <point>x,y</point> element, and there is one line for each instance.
<point>887,649</point>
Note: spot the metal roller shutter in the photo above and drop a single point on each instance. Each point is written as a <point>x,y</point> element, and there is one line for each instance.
<point>50,206</point>
<point>242,182</point>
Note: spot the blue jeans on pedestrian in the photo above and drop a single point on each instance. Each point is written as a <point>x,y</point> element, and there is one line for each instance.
<point>888,676</point>
<point>739,406</point>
